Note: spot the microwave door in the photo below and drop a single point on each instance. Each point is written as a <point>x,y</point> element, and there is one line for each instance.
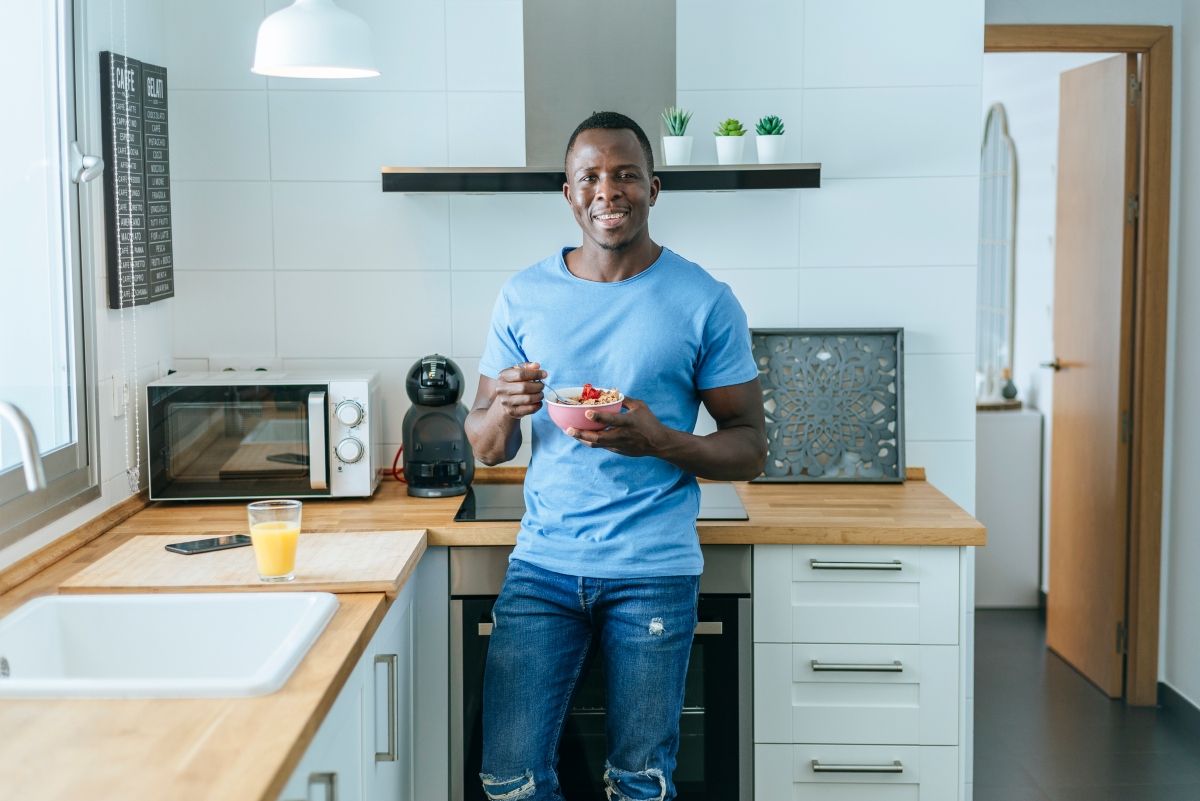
<point>318,445</point>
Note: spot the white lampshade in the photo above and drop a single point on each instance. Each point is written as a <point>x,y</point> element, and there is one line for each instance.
<point>314,39</point>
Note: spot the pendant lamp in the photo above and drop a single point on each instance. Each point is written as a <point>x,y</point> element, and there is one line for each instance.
<point>314,39</point>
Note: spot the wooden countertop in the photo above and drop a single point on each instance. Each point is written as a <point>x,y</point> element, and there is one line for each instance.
<point>912,513</point>
<point>244,749</point>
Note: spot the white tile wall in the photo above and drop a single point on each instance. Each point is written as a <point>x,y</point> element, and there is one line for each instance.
<point>211,43</point>
<point>486,129</point>
<point>224,313</point>
<point>508,232</point>
<point>361,314</point>
<point>730,230</point>
<point>885,43</point>
<point>485,47</point>
<point>926,301</point>
<point>474,296</point>
<point>742,44</point>
<point>218,135</point>
<point>355,226</point>
<point>889,222</point>
<point>222,225</point>
<point>324,267</point>
<point>892,132</point>
<point>349,136</point>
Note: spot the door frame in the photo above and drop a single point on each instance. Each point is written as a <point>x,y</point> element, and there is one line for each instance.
<point>1151,270</point>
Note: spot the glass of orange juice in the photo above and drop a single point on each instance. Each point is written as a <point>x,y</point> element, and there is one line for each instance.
<point>274,531</point>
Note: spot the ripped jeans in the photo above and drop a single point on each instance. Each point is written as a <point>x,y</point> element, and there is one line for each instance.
<point>547,627</point>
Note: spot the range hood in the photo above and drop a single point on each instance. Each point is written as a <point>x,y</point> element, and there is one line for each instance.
<point>564,41</point>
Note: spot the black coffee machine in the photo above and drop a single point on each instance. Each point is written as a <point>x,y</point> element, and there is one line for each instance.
<point>438,461</point>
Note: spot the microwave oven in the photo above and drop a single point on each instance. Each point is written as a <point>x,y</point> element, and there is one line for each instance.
<point>247,435</point>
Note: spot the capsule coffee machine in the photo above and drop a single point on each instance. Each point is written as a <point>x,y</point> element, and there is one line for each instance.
<point>438,461</point>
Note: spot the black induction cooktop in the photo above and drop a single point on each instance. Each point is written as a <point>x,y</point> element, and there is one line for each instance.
<point>500,502</point>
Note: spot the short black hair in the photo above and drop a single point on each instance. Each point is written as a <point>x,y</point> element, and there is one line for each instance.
<point>612,120</point>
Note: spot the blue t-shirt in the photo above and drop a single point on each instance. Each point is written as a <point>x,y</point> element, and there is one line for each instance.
<point>660,337</point>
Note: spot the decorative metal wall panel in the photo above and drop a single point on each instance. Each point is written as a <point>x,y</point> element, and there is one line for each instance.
<point>834,400</point>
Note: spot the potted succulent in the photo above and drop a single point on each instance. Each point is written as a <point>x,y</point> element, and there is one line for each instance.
<point>677,148</point>
<point>730,142</point>
<point>770,140</point>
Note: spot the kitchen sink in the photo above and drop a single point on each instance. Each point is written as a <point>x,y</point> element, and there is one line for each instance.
<point>210,645</point>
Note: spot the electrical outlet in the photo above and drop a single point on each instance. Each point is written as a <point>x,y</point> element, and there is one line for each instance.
<point>120,397</point>
<point>219,364</point>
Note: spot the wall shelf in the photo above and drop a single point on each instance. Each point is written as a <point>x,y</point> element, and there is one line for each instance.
<point>698,178</point>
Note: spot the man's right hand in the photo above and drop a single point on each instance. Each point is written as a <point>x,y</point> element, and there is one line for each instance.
<point>519,389</point>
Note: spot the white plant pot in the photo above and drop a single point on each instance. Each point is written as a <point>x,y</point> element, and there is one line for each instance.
<point>770,149</point>
<point>677,150</point>
<point>730,149</point>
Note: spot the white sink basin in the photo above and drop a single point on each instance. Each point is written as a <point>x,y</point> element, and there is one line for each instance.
<point>212,645</point>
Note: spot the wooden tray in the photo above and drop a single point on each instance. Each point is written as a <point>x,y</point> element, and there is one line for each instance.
<point>370,561</point>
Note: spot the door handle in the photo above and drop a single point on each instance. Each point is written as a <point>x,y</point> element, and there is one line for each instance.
<point>318,448</point>
<point>1055,365</point>
<point>848,667</point>
<point>329,782</point>
<point>895,767</point>
<point>703,627</point>
<point>83,168</point>
<point>393,713</point>
<point>817,564</point>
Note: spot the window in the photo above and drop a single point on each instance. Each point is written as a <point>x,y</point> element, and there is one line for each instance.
<point>43,297</point>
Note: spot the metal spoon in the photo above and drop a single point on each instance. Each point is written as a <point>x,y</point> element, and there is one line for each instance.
<point>561,399</point>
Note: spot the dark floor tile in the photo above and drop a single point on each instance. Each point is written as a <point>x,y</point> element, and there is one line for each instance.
<point>1175,792</point>
<point>1009,794</point>
<point>1039,721</point>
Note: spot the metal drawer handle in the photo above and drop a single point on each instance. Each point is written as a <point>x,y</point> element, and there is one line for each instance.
<point>817,564</point>
<point>393,713</point>
<point>328,780</point>
<point>704,627</point>
<point>895,767</point>
<point>850,667</point>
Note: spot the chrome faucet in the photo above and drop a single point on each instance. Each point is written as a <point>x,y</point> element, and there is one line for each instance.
<point>31,457</point>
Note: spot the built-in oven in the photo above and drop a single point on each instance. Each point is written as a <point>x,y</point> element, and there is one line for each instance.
<point>263,435</point>
<point>715,759</point>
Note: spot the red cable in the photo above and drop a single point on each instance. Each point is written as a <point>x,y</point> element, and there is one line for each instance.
<point>398,474</point>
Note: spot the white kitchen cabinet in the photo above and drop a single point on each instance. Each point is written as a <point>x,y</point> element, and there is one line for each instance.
<point>363,750</point>
<point>859,663</point>
<point>388,704</point>
<point>847,773</point>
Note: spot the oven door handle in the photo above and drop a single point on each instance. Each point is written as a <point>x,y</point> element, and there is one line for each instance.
<point>317,446</point>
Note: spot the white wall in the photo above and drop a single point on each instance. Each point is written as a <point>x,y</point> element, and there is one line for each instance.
<point>134,28</point>
<point>287,247</point>
<point>1179,657</point>
<point>1027,84</point>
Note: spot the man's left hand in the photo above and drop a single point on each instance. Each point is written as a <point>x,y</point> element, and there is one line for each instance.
<point>636,432</point>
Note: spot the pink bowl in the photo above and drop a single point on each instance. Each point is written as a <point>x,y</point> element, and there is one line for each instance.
<point>569,416</point>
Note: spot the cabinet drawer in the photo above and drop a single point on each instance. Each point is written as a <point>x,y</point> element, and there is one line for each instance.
<point>856,594</point>
<point>928,773</point>
<point>856,694</point>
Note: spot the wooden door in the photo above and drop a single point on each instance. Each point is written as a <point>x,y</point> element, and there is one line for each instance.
<point>1093,339</point>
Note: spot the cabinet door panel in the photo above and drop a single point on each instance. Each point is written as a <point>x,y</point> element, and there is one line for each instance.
<point>388,719</point>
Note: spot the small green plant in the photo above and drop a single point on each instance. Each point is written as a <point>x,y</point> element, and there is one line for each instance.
<point>769,126</point>
<point>730,127</point>
<point>677,120</point>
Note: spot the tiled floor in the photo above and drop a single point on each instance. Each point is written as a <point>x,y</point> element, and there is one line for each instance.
<point>1044,733</point>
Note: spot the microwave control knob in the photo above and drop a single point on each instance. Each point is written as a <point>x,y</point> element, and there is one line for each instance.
<point>349,450</point>
<point>349,413</point>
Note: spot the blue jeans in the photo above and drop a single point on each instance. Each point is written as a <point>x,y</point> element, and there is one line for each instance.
<point>546,628</point>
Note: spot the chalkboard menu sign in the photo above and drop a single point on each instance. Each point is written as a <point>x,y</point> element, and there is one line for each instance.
<point>137,183</point>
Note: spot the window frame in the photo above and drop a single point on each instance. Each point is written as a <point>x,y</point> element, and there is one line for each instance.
<point>73,470</point>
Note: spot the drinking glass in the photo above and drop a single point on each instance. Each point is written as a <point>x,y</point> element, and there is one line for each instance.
<point>274,531</point>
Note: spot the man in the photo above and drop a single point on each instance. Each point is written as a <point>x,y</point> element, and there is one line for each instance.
<point>607,562</point>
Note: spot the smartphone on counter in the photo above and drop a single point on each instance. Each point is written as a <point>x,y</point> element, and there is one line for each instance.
<point>213,544</point>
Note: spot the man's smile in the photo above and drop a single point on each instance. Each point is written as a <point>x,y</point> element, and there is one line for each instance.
<point>610,218</point>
